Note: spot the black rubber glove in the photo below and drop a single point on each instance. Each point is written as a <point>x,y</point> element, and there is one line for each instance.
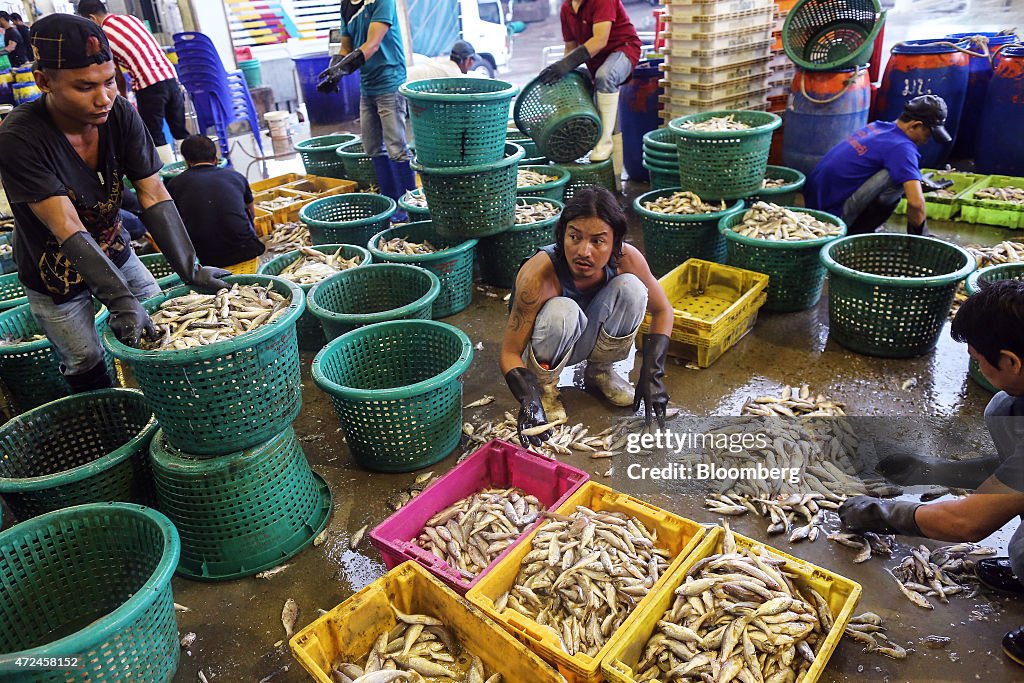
<point>128,320</point>
<point>525,388</point>
<point>164,224</point>
<point>559,69</point>
<point>327,80</point>
<point>921,230</point>
<point>650,389</point>
<point>930,184</point>
<point>863,513</point>
<point>909,469</point>
<point>351,62</point>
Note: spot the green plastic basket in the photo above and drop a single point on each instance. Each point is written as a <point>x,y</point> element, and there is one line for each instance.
<point>459,121</point>
<point>785,195</point>
<point>227,396</point>
<point>560,118</point>
<point>347,218</point>
<point>473,201</point>
<point>661,179</point>
<point>397,391</point>
<point>374,294</point>
<point>31,370</point>
<point>1005,271</point>
<point>12,292</point>
<point>824,35</point>
<point>86,448</point>
<point>729,164</point>
<point>889,295</point>
<point>534,161</point>
<point>176,168</point>
<point>243,512</point>
<point>524,141</point>
<point>554,190</point>
<point>672,239</point>
<point>583,174</point>
<point>453,265</point>
<point>357,165</point>
<point>795,273</point>
<point>307,327</point>
<point>663,141</point>
<point>502,255</point>
<point>415,213</point>
<point>157,265</point>
<point>93,582</point>
<point>319,155</point>
<point>666,159</point>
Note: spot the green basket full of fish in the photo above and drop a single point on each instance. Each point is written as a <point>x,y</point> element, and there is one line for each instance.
<point>783,243</point>
<point>12,292</point>
<point>319,155</point>
<point>414,203</point>
<point>357,165</point>
<point>546,181</point>
<point>157,265</point>
<point>347,218</point>
<point>945,204</point>
<point>780,186</point>
<point>583,174</point>
<point>1006,271</point>
<point>560,118</point>
<point>224,373</point>
<point>502,255</point>
<point>994,200</point>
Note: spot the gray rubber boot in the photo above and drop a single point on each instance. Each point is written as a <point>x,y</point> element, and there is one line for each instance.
<point>548,380</point>
<point>599,373</point>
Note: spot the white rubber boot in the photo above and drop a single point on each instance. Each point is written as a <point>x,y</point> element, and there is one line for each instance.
<point>166,153</point>
<point>548,381</point>
<point>617,160</point>
<point>599,373</point>
<point>608,108</point>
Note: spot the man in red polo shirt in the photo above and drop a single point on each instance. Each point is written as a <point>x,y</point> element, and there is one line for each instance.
<point>599,33</point>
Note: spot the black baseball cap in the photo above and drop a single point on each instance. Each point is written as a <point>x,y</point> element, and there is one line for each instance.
<point>68,41</point>
<point>461,50</point>
<point>931,111</point>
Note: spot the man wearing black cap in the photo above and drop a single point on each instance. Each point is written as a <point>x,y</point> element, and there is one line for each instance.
<point>65,155</point>
<point>460,60</point>
<point>863,178</point>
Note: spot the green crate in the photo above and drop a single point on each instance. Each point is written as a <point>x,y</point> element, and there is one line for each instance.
<point>785,195</point>
<point>243,512</point>
<point>397,391</point>
<point>1005,271</point>
<point>92,581</point>
<point>990,212</point>
<point>157,265</point>
<point>12,292</point>
<point>560,118</point>
<point>672,239</point>
<point>501,255</point>
<point>583,174</point>
<point>945,208</point>
<point>358,165</point>
<point>347,218</point>
<point>554,190</point>
<point>453,264</point>
<point>415,213</point>
<point>795,273</point>
<point>319,155</point>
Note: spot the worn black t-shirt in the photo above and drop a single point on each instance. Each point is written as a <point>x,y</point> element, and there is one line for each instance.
<point>20,55</point>
<point>38,162</point>
<point>212,202</point>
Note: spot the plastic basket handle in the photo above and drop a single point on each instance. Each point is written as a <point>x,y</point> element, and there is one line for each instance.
<point>527,627</point>
<point>848,84</point>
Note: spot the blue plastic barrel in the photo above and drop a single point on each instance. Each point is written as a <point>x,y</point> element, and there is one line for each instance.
<point>977,84</point>
<point>999,146</point>
<point>926,67</point>
<point>326,108</point>
<point>825,108</point>
<point>638,115</point>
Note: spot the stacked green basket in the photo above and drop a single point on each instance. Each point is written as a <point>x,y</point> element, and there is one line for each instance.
<point>357,164</point>
<point>319,155</point>
<point>583,173</point>
<point>661,158</point>
<point>672,238</point>
<point>501,255</point>
<point>1004,271</point>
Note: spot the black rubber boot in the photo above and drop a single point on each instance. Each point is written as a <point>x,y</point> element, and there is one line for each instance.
<point>997,574</point>
<point>90,380</point>
<point>1013,645</point>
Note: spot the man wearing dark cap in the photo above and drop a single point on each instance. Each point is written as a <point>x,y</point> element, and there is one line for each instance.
<point>863,178</point>
<point>64,158</point>
<point>459,61</point>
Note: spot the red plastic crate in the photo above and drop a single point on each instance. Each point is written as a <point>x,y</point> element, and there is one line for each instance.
<point>497,464</point>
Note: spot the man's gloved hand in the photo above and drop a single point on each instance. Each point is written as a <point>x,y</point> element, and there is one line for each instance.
<point>525,388</point>
<point>164,223</point>
<point>863,513</point>
<point>930,184</point>
<point>650,389</point>
<point>327,81</point>
<point>558,70</point>
<point>920,230</point>
<point>909,469</point>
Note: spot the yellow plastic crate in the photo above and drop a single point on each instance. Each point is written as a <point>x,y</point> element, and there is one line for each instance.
<point>276,181</point>
<point>285,214</point>
<point>680,536</point>
<point>263,222</point>
<point>841,593</point>
<point>349,630</point>
<point>320,186</point>
<point>704,351</point>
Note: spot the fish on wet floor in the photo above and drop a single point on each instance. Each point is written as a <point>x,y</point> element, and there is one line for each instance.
<point>357,537</point>
<point>289,615</point>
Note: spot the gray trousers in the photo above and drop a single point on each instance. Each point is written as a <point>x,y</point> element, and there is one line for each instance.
<point>382,123</point>
<point>615,71</point>
<point>863,210</point>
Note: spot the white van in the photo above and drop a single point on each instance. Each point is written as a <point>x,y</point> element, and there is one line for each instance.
<point>484,26</point>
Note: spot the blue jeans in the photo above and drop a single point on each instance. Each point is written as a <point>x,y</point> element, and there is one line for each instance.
<point>71,326</point>
<point>615,71</point>
<point>382,120</point>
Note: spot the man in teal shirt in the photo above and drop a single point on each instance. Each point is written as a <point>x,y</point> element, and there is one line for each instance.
<point>371,42</point>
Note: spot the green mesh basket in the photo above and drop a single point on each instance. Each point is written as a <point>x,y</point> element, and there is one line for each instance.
<point>453,265</point>
<point>554,190</point>
<point>534,161</point>
<point>524,141</point>
<point>671,239</point>
<point>93,582</point>
<point>785,195</point>
<point>459,121</point>
<point>357,165</point>
<point>307,327</point>
<point>560,118</point>
<point>663,141</point>
<point>374,294</point>
<point>176,168</point>
<point>347,218</point>
<point>415,213</point>
<point>472,201</point>
<point>397,390</point>
<point>660,179</point>
<point>583,174</point>
<point>243,512</point>
<point>729,164</point>
<point>889,295</point>
<point>502,255</point>
<point>319,155</point>
<point>667,159</point>
<point>795,274</point>
<point>1005,271</point>
<point>227,396</point>
<point>31,370</point>
<point>157,265</point>
<point>12,292</point>
<point>824,35</point>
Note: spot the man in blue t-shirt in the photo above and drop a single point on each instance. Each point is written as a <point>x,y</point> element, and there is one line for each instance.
<point>863,178</point>
<point>372,43</point>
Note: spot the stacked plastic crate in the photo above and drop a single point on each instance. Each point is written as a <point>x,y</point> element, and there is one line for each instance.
<point>782,67</point>
<point>717,55</point>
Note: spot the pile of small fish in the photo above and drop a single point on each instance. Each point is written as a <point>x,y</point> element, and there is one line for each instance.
<point>793,402</point>
<point>943,192</point>
<point>682,203</point>
<point>777,223</point>
<point>415,198</point>
<point>527,178</point>
<point>314,266</point>
<point>417,648</point>
<point>202,319</point>
<point>9,339</point>
<point>774,183</point>
<point>739,615</point>
<point>867,544</point>
<point>535,212</point>
<point>401,245</point>
<point>1014,195</point>
<point>404,496</point>
<point>868,630</point>
<point>470,533</point>
<point>937,573</point>
<point>584,575</point>
<point>1004,252</point>
<point>277,203</point>
<point>716,123</point>
<point>287,237</point>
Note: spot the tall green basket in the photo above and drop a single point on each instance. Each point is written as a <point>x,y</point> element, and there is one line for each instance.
<point>12,292</point>
<point>157,265</point>
<point>889,295</point>
<point>824,35</point>
<point>554,189</point>
<point>501,255</point>
<point>397,390</point>
<point>583,173</point>
<point>560,118</point>
<point>453,264</point>
<point>91,582</point>
<point>357,165</point>
<point>1005,271</point>
<point>319,155</point>
<point>672,239</point>
<point>347,218</point>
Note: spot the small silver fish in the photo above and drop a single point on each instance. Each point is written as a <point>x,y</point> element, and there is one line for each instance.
<point>289,615</point>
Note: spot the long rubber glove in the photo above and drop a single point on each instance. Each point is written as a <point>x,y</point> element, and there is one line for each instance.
<point>559,69</point>
<point>910,469</point>
<point>650,389</point>
<point>164,224</point>
<point>526,389</point>
<point>863,513</point>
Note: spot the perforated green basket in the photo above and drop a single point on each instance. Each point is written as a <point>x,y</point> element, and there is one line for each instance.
<point>660,178</point>
<point>416,213</point>
<point>157,265</point>
<point>12,292</point>
<point>1005,271</point>
<point>889,295</point>
<point>397,390</point>
<point>93,582</point>
<point>583,174</point>
<point>560,118</point>
<point>229,395</point>
<point>176,168</point>
<point>453,265</point>
<point>363,296</point>
<point>319,154</point>
<point>243,512</point>
<point>824,35</point>
<point>347,218</point>
<point>551,190</point>
<point>524,141</point>
<point>785,195</point>
<point>662,141</point>
<point>672,239</point>
<point>501,255</point>
<point>357,164</point>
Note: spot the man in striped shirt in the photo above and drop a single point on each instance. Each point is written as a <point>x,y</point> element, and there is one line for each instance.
<point>154,80</point>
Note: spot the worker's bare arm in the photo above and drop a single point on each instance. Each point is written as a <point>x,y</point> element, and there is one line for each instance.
<point>58,214</point>
<point>151,191</point>
<point>534,286</point>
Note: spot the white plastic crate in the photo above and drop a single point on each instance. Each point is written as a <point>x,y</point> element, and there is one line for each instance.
<point>685,8</point>
<point>749,100</point>
<point>749,37</point>
<point>697,76</point>
<point>778,91</point>
<point>716,59</point>
<point>713,24</point>
<point>713,92</point>
<point>674,111</point>
<point>780,60</point>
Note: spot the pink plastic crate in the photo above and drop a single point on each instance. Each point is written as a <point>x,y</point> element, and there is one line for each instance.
<point>497,464</point>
